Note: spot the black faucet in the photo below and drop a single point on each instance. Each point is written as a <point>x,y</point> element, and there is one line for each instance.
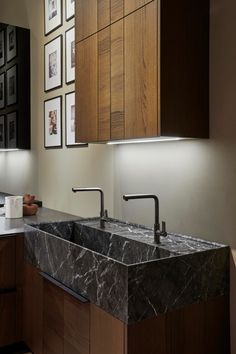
<point>157,231</point>
<point>103,212</point>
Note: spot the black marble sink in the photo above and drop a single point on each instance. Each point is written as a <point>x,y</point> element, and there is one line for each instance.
<point>120,269</point>
<point>106,242</point>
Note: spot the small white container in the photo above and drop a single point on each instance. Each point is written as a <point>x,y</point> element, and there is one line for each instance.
<point>14,207</point>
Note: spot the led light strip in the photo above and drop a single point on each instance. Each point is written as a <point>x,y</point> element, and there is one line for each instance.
<point>148,140</point>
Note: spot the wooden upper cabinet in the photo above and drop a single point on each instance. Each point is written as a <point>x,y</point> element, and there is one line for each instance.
<point>94,15</point>
<point>141,77</point>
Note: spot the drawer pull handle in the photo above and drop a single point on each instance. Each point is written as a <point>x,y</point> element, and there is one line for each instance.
<point>65,288</point>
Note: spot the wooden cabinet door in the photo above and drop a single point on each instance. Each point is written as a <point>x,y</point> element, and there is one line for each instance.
<point>7,319</point>
<point>53,319</point>
<point>7,263</point>
<point>33,309</point>
<point>76,326</point>
<point>93,88</point>
<point>141,72</point>
<point>86,93</point>
<point>107,334</point>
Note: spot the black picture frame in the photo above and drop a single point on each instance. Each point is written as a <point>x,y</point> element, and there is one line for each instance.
<point>2,132</point>
<point>53,123</point>
<point>70,9</point>
<point>12,86</point>
<point>2,90</point>
<point>52,15</point>
<point>2,48</point>
<point>53,63</point>
<point>70,55</point>
<point>11,47</point>
<point>70,133</point>
<point>11,130</point>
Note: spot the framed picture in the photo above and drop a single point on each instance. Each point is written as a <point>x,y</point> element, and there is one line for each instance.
<point>2,90</point>
<point>52,15</point>
<point>11,130</point>
<point>70,120</point>
<point>12,85</point>
<point>2,132</point>
<point>11,43</point>
<point>53,64</point>
<point>70,55</point>
<point>70,9</point>
<point>2,48</point>
<point>53,122</point>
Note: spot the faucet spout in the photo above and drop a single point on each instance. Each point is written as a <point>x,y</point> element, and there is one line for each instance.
<point>157,231</point>
<point>103,212</point>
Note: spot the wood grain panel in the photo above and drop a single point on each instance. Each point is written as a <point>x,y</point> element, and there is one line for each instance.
<point>104,93</point>
<point>53,319</point>
<point>19,241</point>
<point>185,45</point>
<point>117,80</point>
<point>103,13</point>
<point>76,326</point>
<point>141,72</point>
<point>117,10</point>
<point>86,92</point>
<point>7,319</point>
<point>133,5</point>
<point>107,334</point>
<point>7,263</point>
<point>86,14</point>
<point>148,336</point>
<point>33,309</point>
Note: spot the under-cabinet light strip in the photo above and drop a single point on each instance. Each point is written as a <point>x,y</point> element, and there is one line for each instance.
<point>148,140</point>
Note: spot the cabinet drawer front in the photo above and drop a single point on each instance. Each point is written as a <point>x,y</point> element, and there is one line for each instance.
<point>7,319</point>
<point>76,326</point>
<point>94,15</point>
<point>7,263</point>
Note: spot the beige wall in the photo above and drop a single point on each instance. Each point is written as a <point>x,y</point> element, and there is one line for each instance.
<point>52,173</point>
<point>195,180</point>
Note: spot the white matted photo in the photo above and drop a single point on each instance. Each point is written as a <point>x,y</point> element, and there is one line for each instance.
<point>52,122</point>
<point>70,9</point>
<point>70,120</point>
<point>52,15</point>
<point>12,85</point>
<point>2,132</point>
<point>53,64</point>
<point>70,55</point>
<point>11,130</point>
<point>2,90</point>
<point>2,48</point>
<point>11,43</point>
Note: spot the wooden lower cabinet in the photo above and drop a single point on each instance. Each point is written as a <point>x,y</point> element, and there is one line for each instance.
<point>57,323</point>
<point>7,319</point>
<point>11,287</point>
<point>33,309</point>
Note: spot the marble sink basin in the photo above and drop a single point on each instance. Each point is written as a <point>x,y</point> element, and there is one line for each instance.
<point>110,241</point>
<point>120,269</point>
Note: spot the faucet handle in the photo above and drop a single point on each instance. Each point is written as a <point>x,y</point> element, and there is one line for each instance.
<point>105,213</point>
<point>163,229</point>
